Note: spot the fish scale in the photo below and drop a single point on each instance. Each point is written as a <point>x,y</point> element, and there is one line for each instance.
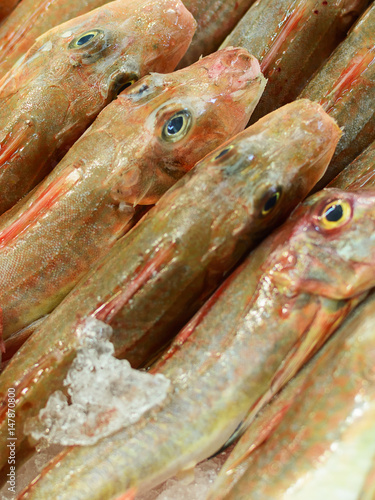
<point>191,252</point>
<point>117,167</point>
<point>58,87</point>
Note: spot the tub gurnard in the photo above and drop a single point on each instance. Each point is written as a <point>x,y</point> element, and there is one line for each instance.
<point>188,244</point>
<point>252,334</point>
<point>137,148</point>
<point>316,439</point>
<point>345,87</point>
<point>71,73</point>
<point>32,18</point>
<point>291,39</point>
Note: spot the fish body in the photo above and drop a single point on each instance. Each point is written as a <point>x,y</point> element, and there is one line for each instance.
<point>6,8</point>
<point>137,148</point>
<point>156,277</point>
<point>56,90</point>
<point>359,174</point>
<point>291,39</point>
<point>317,435</point>
<point>345,87</point>
<point>306,275</point>
<point>30,19</point>
<point>215,19</point>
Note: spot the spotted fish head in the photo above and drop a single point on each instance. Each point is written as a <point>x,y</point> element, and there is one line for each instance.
<point>177,119</point>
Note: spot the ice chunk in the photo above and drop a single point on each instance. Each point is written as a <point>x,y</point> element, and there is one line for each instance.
<point>105,393</point>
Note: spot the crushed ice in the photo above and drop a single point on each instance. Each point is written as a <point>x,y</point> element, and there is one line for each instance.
<point>105,393</point>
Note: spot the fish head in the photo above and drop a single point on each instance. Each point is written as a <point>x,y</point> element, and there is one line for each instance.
<point>275,163</point>
<point>182,116</point>
<point>327,247</point>
<point>106,50</point>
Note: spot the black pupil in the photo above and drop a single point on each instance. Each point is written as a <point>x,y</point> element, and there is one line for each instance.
<point>85,38</point>
<point>175,125</point>
<point>222,153</point>
<point>125,86</point>
<point>271,202</point>
<point>334,213</point>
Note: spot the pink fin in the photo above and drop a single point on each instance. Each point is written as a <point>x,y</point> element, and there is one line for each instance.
<point>145,271</point>
<point>348,76</point>
<point>13,141</point>
<point>128,495</point>
<point>54,191</point>
<point>291,22</point>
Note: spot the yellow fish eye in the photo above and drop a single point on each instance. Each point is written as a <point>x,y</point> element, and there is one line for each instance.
<point>271,202</point>
<point>84,39</point>
<point>335,214</point>
<point>177,126</point>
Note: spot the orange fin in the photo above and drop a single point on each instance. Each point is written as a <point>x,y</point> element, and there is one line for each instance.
<point>128,495</point>
<point>146,270</point>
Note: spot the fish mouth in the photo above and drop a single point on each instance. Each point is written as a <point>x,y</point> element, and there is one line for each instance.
<point>238,64</point>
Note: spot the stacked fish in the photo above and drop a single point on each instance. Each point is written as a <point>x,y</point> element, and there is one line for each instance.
<point>143,223</point>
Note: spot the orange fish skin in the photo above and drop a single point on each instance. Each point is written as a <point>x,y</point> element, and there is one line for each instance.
<point>120,164</point>
<point>345,87</point>
<point>167,266</point>
<point>233,347</point>
<point>329,402</point>
<point>215,19</point>
<point>360,174</point>
<point>57,89</point>
<point>32,18</point>
<point>291,39</point>
<point>6,8</point>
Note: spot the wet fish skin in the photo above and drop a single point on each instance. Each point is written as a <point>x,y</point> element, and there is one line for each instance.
<point>345,87</point>
<point>291,39</point>
<point>225,358</point>
<point>359,174</point>
<point>32,18</point>
<point>325,410</point>
<point>187,272</point>
<point>123,162</point>
<point>215,19</point>
<point>55,91</point>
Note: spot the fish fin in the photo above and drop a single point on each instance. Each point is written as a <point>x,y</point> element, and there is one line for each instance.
<point>261,437</point>
<point>128,495</point>
<point>143,273</point>
<point>14,140</point>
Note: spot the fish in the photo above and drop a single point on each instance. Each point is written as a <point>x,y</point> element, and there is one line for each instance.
<point>360,174</point>
<point>303,278</point>
<point>291,39</point>
<point>136,149</point>
<point>56,90</point>
<point>6,8</point>
<point>221,209</point>
<point>316,438</point>
<point>32,18</point>
<point>215,19</point>
<point>345,87</point>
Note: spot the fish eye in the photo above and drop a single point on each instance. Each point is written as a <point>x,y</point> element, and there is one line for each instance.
<point>177,126</point>
<point>223,152</point>
<point>271,201</point>
<point>84,39</point>
<point>335,214</point>
<point>126,85</point>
